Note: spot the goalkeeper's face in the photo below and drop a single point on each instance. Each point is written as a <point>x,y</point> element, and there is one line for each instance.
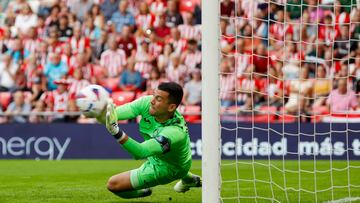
<point>160,105</point>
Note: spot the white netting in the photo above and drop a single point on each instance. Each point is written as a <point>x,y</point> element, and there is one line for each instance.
<point>289,84</point>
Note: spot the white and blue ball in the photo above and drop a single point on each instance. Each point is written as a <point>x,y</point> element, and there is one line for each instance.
<point>92,100</point>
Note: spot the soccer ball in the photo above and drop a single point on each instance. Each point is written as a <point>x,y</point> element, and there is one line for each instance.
<point>92,100</point>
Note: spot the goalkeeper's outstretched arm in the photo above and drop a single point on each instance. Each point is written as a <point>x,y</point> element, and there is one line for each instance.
<point>137,150</point>
<point>123,112</point>
<point>141,150</point>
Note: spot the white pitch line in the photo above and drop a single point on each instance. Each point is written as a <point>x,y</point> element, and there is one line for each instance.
<point>344,200</point>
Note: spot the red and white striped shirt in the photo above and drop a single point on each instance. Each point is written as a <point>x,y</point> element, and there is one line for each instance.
<point>179,45</point>
<point>190,31</point>
<point>176,74</point>
<point>60,100</point>
<point>279,30</point>
<point>191,59</point>
<point>242,61</point>
<point>246,86</point>
<point>79,46</point>
<point>227,87</point>
<point>76,86</point>
<point>142,63</point>
<point>155,48</point>
<point>113,61</point>
<point>157,7</point>
<point>31,45</point>
<point>145,21</point>
<point>69,60</point>
<point>327,33</point>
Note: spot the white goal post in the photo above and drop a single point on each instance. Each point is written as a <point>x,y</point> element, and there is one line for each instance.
<point>210,102</point>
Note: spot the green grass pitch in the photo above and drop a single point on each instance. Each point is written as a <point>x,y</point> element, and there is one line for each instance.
<point>85,181</point>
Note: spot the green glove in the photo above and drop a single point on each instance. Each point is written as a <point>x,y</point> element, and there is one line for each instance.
<point>111,119</point>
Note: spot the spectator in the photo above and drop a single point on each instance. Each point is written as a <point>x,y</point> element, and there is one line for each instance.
<point>113,60</point>
<point>97,15</point>
<point>342,43</point>
<point>192,56</point>
<point>144,20</point>
<point>161,30</point>
<point>8,71</point>
<point>227,84</point>
<point>247,88</point>
<point>17,52</point>
<point>85,67</point>
<point>143,60</point>
<point>99,47</point>
<point>178,43</point>
<point>71,108</point>
<point>176,71</point>
<point>275,90</point>
<point>172,15</point>
<point>91,31</point>
<point>67,56</point>
<point>154,80</point>
<point>192,89</point>
<point>122,17</point>
<point>300,92</point>
<point>109,7</point>
<point>60,99</point>
<point>77,83</point>
<point>31,41</point>
<point>158,8</point>
<point>39,108</point>
<point>80,8</point>
<point>65,31</point>
<point>17,107</point>
<point>53,18</point>
<point>227,8</point>
<point>164,59</point>
<point>55,69</point>
<point>80,43</point>
<point>130,79</point>
<point>342,99</point>
<point>188,30</point>
<point>127,41</point>
<point>322,86</point>
<point>25,20</point>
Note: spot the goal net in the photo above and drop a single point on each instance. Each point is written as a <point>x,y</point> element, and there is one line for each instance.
<point>289,78</point>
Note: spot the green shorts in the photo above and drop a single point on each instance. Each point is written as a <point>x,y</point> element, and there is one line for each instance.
<point>149,175</point>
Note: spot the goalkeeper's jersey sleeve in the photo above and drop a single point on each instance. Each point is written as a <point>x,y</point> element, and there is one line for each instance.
<point>172,135</point>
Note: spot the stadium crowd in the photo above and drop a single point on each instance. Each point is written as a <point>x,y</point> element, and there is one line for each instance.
<point>294,61</point>
<point>50,49</point>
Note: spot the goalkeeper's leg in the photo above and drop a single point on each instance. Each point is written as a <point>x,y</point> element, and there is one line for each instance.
<point>188,181</point>
<point>121,186</point>
<point>137,182</point>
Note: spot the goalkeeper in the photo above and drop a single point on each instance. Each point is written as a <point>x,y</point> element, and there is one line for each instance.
<point>166,146</point>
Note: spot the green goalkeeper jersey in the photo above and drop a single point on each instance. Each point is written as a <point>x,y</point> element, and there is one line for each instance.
<point>178,154</point>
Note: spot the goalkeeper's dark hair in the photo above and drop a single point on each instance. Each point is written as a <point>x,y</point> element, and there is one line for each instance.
<point>175,92</point>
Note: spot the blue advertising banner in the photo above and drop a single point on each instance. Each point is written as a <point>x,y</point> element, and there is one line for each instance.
<point>239,140</point>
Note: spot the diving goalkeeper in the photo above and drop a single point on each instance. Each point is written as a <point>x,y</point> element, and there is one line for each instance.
<point>166,146</point>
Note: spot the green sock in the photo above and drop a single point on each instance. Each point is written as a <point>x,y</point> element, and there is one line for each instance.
<point>134,193</point>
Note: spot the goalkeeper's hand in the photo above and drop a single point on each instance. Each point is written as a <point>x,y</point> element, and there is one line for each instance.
<point>111,119</point>
<point>112,122</point>
<point>102,117</point>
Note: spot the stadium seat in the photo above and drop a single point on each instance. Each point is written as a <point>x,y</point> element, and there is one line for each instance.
<point>283,117</point>
<point>111,84</point>
<point>5,98</point>
<point>120,97</point>
<point>194,113</point>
